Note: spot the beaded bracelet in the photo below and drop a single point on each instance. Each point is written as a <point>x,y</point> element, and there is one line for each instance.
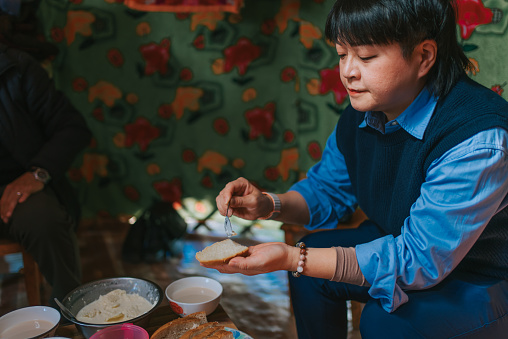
<point>301,262</point>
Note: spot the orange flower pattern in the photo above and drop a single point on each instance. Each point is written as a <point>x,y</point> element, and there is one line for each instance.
<point>104,91</point>
<point>78,22</point>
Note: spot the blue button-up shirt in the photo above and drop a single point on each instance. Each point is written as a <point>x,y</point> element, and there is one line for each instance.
<point>443,223</point>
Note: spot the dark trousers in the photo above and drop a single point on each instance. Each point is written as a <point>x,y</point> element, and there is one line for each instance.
<point>461,306</point>
<point>46,231</point>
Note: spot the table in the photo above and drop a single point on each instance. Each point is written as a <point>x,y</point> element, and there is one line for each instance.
<point>159,317</point>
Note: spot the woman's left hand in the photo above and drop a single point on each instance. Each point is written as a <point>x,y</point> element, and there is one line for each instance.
<point>263,258</point>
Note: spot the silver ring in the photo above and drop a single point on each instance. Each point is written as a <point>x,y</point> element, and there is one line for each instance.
<point>19,193</point>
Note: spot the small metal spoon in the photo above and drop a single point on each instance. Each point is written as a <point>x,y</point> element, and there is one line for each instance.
<point>227,225</point>
<point>65,310</point>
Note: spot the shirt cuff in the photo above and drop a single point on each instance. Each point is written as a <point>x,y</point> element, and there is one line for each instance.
<point>378,262</point>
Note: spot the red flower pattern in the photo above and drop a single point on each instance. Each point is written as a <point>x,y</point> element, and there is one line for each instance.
<point>207,181</point>
<point>156,57</point>
<point>170,191</point>
<point>241,55</point>
<point>498,88</point>
<point>289,136</point>
<point>268,26</point>
<point>288,74</point>
<point>57,34</point>
<point>79,84</point>
<point>115,57</point>
<point>140,132</point>
<point>314,150</point>
<point>131,193</point>
<point>98,113</point>
<point>189,155</point>
<point>330,81</point>
<point>221,126</point>
<point>186,74</point>
<point>472,13</point>
<point>199,42</point>
<point>271,173</point>
<point>165,111</point>
<point>261,121</point>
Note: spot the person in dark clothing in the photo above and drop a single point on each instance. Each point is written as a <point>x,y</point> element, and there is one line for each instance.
<point>423,151</point>
<point>41,133</point>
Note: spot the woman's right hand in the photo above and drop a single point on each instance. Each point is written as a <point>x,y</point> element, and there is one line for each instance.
<point>244,199</point>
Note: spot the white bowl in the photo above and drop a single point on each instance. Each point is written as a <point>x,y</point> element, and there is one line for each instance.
<point>194,294</point>
<point>30,322</point>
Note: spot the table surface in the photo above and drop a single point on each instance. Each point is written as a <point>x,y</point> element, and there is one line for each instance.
<point>159,317</point>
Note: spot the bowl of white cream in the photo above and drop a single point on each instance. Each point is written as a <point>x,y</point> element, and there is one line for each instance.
<point>103,303</point>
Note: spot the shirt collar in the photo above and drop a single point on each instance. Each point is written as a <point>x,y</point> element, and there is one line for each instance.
<point>413,120</point>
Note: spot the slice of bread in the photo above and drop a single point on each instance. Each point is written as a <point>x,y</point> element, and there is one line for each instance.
<point>221,334</point>
<point>201,315</point>
<point>221,252</point>
<point>194,332</point>
<point>176,328</point>
<point>209,331</point>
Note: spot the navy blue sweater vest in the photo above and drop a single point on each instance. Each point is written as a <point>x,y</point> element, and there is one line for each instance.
<point>387,171</point>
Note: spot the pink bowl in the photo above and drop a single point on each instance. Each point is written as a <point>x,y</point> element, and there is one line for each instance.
<point>121,331</point>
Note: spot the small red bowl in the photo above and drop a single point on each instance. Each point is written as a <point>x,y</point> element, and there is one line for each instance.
<point>121,331</point>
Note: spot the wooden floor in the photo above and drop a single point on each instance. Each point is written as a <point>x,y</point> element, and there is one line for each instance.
<point>258,305</point>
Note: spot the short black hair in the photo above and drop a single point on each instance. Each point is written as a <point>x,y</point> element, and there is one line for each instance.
<point>406,22</point>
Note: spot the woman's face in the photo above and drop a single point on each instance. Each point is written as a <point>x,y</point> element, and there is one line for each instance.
<point>379,78</point>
